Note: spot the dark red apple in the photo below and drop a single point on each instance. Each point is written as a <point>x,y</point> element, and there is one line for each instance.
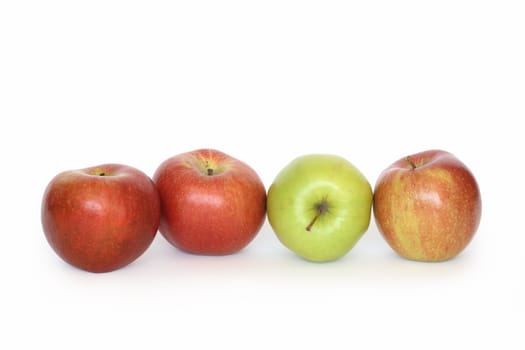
<point>100,218</point>
<point>211,203</point>
<point>427,206</point>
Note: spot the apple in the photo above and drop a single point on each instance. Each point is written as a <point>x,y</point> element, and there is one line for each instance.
<point>319,206</point>
<point>211,202</point>
<point>427,206</point>
<point>100,218</point>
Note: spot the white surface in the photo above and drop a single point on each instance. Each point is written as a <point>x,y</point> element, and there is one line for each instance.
<point>136,82</point>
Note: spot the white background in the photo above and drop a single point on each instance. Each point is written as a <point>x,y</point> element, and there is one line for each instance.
<point>135,82</point>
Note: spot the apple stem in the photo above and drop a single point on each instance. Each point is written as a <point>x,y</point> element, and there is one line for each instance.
<point>210,171</point>
<point>309,227</point>
<point>320,208</point>
<point>411,162</point>
<point>102,174</point>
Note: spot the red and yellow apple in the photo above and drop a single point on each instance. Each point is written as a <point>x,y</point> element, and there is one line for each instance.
<point>211,203</point>
<point>427,206</point>
<point>100,218</point>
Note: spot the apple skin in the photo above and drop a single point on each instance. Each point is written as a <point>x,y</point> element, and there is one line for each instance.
<point>211,203</point>
<point>100,218</point>
<point>319,206</point>
<point>427,206</point>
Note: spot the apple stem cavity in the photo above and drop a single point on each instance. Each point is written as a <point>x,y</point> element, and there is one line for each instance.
<point>320,209</point>
<point>411,162</point>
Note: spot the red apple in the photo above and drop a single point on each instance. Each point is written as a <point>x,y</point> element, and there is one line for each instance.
<point>427,206</point>
<point>101,218</point>
<point>211,203</point>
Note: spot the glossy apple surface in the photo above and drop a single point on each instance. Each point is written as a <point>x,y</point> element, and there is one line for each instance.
<point>212,203</point>
<point>101,218</point>
<point>427,206</point>
<point>319,206</point>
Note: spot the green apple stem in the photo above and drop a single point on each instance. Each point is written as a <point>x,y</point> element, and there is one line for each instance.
<point>411,162</point>
<point>320,209</point>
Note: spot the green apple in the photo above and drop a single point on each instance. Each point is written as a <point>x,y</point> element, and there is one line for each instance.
<point>319,206</point>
